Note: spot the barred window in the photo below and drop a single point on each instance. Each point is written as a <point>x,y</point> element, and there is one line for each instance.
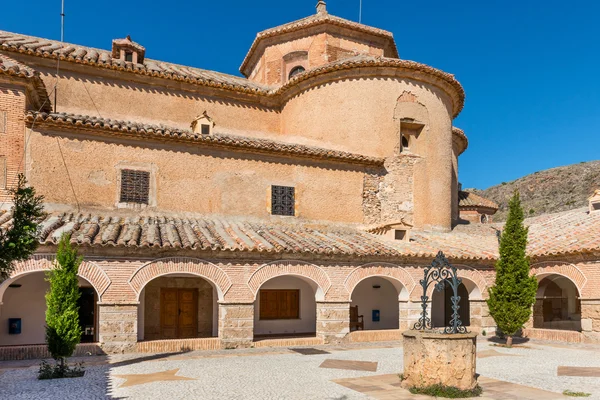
<point>135,186</point>
<point>282,200</point>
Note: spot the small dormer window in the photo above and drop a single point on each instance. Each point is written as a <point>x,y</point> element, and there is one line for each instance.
<point>127,50</point>
<point>295,71</point>
<point>400,234</point>
<point>203,124</point>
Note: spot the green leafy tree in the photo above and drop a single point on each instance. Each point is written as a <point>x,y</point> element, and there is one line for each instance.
<point>20,240</point>
<point>62,315</point>
<point>513,294</point>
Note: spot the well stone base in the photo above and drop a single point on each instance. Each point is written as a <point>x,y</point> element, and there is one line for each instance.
<point>432,358</point>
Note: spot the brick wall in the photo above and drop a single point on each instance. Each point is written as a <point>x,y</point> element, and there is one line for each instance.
<point>13,104</point>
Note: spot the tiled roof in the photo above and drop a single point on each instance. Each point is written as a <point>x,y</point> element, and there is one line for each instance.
<point>470,199</point>
<point>9,66</point>
<point>104,59</point>
<point>366,61</point>
<point>572,232</point>
<point>460,135</point>
<point>234,142</point>
<point>41,47</point>
<point>564,232</point>
<point>314,20</point>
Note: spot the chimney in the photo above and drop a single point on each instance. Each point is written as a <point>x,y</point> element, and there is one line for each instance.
<point>321,7</point>
<point>595,202</point>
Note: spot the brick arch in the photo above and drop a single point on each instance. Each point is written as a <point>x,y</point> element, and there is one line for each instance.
<point>471,274</point>
<point>385,270</point>
<point>562,268</point>
<point>88,270</point>
<point>180,265</point>
<point>282,268</point>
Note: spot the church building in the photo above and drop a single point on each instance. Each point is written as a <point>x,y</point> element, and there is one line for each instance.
<point>296,205</point>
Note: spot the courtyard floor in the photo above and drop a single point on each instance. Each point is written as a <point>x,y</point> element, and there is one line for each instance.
<point>535,370</point>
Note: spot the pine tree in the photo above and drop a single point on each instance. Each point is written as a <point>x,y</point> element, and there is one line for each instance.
<point>513,294</point>
<point>20,240</point>
<point>62,315</point>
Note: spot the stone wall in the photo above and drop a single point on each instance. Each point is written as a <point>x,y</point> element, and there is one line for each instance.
<point>333,321</point>
<point>117,330</point>
<point>236,325</point>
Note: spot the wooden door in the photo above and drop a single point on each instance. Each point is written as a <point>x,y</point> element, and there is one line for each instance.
<point>188,313</point>
<point>169,312</point>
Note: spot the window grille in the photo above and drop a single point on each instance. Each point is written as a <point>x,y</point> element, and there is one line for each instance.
<point>282,200</point>
<point>135,186</point>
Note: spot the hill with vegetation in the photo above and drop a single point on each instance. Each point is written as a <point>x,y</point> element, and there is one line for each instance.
<point>548,191</point>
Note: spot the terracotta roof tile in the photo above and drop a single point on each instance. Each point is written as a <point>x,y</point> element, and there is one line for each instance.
<point>313,20</point>
<point>103,58</point>
<point>470,199</point>
<point>549,235</point>
<point>11,67</point>
<point>235,142</point>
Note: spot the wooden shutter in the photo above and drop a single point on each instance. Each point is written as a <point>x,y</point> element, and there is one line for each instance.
<point>279,304</point>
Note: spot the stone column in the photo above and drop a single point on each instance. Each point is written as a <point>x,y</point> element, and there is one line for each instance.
<point>409,313</point>
<point>333,321</point>
<point>590,320</point>
<point>480,317</point>
<point>117,327</point>
<point>236,325</point>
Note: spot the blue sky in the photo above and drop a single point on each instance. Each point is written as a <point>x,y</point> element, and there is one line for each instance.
<point>529,67</point>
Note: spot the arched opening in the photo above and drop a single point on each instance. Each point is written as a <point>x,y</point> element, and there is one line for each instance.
<point>405,142</point>
<point>557,305</point>
<point>295,71</point>
<point>441,304</point>
<point>376,300</point>
<point>24,306</point>
<point>178,306</point>
<point>286,306</point>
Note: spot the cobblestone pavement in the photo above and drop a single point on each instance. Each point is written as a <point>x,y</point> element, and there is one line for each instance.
<point>284,374</point>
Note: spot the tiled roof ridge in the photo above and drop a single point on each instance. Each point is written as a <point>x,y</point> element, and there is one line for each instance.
<point>46,48</point>
<point>365,61</point>
<point>471,199</point>
<point>221,140</point>
<point>460,134</point>
<point>571,234</point>
<point>313,20</point>
<point>12,67</point>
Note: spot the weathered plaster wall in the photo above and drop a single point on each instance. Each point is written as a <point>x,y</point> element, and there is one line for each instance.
<point>191,179</point>
<point>361,115</point>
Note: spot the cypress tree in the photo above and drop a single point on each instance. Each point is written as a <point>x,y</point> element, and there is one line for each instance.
<point>513,294</point>
<point>62,315</point>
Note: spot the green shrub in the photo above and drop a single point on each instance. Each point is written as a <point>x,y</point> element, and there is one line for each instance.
<point>449,392</point>
<point>49,371</point>
<point>576,394</point>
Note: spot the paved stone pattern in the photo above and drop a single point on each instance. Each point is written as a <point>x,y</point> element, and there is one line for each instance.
<point>285,374</point>
<point>352,365</point>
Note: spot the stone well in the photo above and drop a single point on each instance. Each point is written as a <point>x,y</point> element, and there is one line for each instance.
<point>435,358</point>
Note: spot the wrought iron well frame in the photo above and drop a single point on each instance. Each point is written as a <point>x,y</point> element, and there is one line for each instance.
<point>441,272</point>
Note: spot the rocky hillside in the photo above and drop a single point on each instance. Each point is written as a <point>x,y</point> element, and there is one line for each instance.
<point>551,190</point>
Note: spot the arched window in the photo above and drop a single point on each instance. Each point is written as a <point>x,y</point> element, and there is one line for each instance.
<point>405,142</point>
<point>295,71</point>
<point>483,218</point>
